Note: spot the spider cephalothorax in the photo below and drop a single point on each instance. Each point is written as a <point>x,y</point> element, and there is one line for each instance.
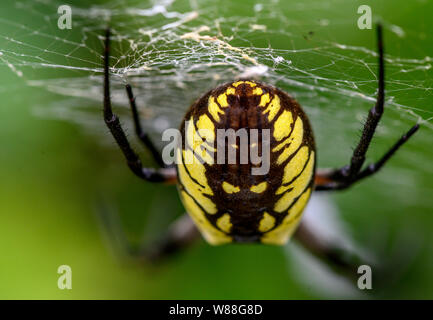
<point>227,201</point>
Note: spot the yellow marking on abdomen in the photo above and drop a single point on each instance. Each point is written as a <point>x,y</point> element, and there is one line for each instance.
<point>196,170</point>
<point>222,98</point>
<point>297,186</point>
<point>266,223</point>
<point>229,188</point>
<point>295,140</point>
<point>273,107</point>
<point>260,187</point>
<point>281,234</point>
<point>264,99</point>
<point>282,126</point>
<point>251,84</point>
<point>198,191</point>
<point>209,232</point>
<point>295,166</point>
<point>214,109</point>
<point>257,91</point>
<point>206,128</point>
<point>230,91</point>
<point>224,223</point>
<point>196,143</point>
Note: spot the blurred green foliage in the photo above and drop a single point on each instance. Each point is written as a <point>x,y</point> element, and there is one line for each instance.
<point>52,174</point>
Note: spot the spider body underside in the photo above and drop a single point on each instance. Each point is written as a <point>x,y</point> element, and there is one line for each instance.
<point>225,201</point>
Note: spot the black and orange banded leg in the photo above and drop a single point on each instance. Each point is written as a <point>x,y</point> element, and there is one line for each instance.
<point>342,178</point>
<point>113,123</point>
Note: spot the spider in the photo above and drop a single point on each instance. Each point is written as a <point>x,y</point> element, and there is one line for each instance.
<point>225,202</point>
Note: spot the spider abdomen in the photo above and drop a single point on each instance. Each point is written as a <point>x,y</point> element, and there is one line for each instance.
<point>247,163</point>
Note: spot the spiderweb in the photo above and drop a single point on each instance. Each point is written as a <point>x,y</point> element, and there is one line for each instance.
<point>173,51</point>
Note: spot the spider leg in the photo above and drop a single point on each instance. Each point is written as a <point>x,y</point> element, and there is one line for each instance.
<point>113,124</point>
<point>332,254</point>
<point>180,235</point>
<point>341,178</point>
<point>344,256</point>
<point>373,118</point>
<point>143,136</point>
<point>331,180</point>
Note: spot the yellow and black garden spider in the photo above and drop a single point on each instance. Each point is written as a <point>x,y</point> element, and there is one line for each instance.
<point>225,201</point>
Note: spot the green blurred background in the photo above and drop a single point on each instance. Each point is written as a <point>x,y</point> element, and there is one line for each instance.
<point>52,173</point>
